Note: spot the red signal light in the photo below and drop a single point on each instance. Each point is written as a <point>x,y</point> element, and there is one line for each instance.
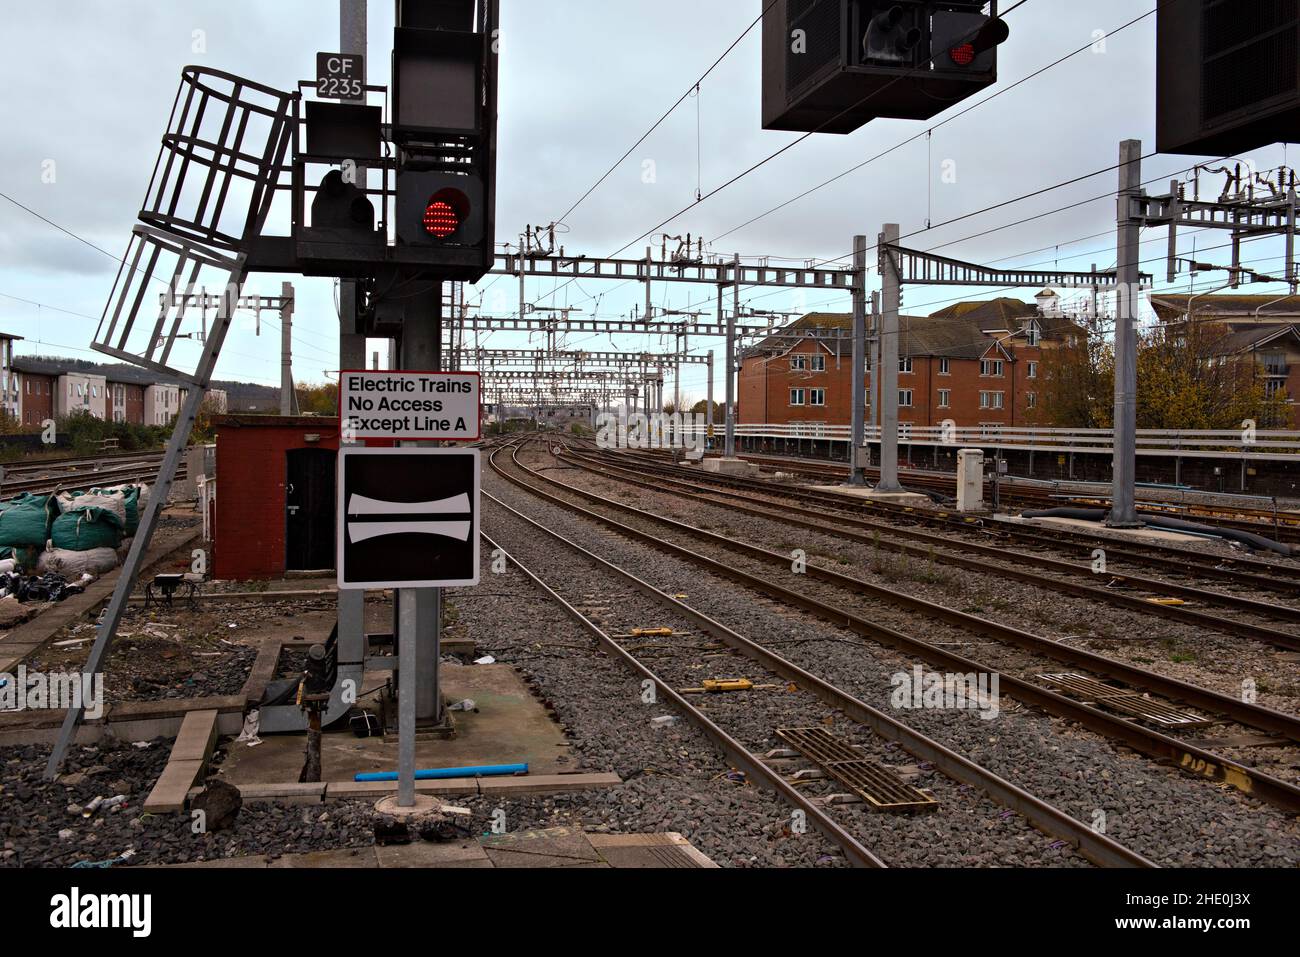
<point>963,54</point>
<point>440,220</point>
<point>445,212</point>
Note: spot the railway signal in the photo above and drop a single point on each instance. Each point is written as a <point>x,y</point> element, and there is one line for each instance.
<point>1226,81</point>
<point>444,96</point>
<point>831,66</point>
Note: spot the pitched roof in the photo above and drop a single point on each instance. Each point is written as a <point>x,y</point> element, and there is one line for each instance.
<point>1003,313</point>
<point>1173,306</point>
<point>1246,339</point>
<point>960,331</point>
<point>112,372</point>
<point>35,365</point>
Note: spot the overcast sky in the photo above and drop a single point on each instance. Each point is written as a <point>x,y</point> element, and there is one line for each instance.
<point>88,85</point>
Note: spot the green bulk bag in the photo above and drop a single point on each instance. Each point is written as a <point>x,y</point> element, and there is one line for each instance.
<point>82,529</point>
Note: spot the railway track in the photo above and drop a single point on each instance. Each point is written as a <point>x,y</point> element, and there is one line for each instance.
<point>75,474</point>
<point>1247,572</point>
<point>1278,525</point>
<point>825,601</point>
<point>938,548</point>
<point>796,700</point>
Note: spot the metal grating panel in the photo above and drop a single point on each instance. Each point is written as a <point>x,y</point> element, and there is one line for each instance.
<point>1126,701</point>
<point>881,788</point>
<point>1250,52</point>
<point>821,20</point>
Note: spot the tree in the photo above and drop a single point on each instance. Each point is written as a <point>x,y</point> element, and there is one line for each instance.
<point>321,399</point>
<point>1188,378</point>
<point>204,431</point>
<point>1077,386</point>
<point>702,408</point>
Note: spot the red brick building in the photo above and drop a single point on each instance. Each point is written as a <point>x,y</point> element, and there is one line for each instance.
<point>126,401</point>
<point>973,363</point>
<point>275,496</point>
<point>37,382</point>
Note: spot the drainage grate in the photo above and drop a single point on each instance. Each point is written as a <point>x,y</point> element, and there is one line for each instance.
<point>1127,702</point>
<point>881,788</point>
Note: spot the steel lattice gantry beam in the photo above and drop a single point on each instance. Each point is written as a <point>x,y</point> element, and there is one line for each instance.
<point>541,375</point>
<point>1276,215</point>
<point>922,268</point>
<point>721,273</point>
<point>579,358</point>
<point>602,327</point>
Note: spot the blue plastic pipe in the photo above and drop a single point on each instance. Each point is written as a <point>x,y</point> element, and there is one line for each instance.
<point>440,774</point>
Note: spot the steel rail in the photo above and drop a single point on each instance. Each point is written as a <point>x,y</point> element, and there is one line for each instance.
<point>1286,530</point>
<point>748,762</point>
<point>1251,715</point>
<point>1101,850</point>
<point>1185,615</point>
<point>1263,575</point>
<point>1189,758</point>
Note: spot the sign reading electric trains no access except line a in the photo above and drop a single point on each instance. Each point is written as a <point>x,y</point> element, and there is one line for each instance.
<point>410,406</point>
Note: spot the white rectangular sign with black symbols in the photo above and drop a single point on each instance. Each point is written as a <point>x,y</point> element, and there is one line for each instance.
<point>408,518</point>
<point>410,406</point>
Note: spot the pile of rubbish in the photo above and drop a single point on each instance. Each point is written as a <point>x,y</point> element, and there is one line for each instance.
<point>68,535</point>
<point>50,587</point>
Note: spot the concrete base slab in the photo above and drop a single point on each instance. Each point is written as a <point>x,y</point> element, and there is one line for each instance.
<point>421,855</point>
<point>289,793</point>
<point>510,727</point>
<point>558,847</point>
<point>1127,534</point>
<point>731,467</point>
<point>871,494</point>
<point>423,805</point>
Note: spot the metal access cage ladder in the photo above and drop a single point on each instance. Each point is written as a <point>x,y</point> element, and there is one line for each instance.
<point>208,200</point>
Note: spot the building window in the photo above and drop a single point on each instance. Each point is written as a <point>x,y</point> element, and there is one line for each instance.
<point>818,363</point>
<point>797,397</point>
<point>1033,370</point>
<point>816,396</point>
<point>992,400</point>
<point>991,368</point>
<point>798,363</point>
<point>945,398</point>
<point>945,367</point>
<point>904,398</point>
<point>1275,364</point>
<point>905,365</point>
<point>1031,400</point>
<point>1033,335</point>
